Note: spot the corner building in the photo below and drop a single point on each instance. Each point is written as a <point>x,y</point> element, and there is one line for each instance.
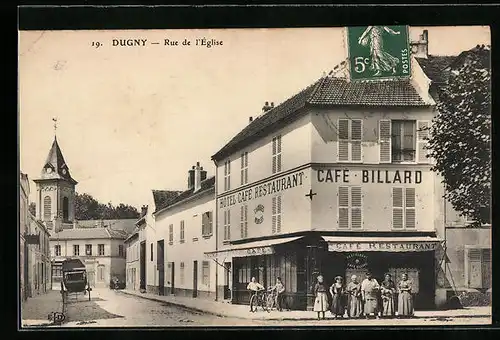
<point>333,181</point>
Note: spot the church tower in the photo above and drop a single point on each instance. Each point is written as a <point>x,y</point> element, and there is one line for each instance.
<point>55,191</point>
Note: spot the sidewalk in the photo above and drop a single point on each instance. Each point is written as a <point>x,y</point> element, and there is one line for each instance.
<point>35,310</point>
<point>225,309</point>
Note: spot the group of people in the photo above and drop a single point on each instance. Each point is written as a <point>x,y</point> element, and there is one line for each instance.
<point>278,288</point>
<point>368,298</point>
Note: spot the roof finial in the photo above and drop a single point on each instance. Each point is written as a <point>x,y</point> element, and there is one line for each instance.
<point>55,126</point>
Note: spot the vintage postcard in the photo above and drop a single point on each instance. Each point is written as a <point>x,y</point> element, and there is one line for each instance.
<point>335,176</point>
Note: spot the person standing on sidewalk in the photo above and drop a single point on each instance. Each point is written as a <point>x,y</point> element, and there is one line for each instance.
<point>405,299</point>
<point>254,287</point>
<point>279,288</point>
<point>337,290</point>
<point>354,302</point>
<point>321,300</point>
<point>369,292</point>
<point>388,290</point>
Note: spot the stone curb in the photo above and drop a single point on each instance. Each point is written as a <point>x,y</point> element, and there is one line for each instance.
<point>284,318</point>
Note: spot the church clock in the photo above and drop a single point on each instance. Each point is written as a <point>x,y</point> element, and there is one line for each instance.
<point>49,170</point>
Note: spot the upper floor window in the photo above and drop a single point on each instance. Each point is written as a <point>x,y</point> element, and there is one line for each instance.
<point>244,221</point>
<point>76,250</point>
<point>65,209</point>
<point>88,249</point>
<point>276,154</point>
<point>350,207</point>
<point>120,250</point>
<point>244,168</point>
<point>100,249</point>
<point>182,232</point>
<point>403,208</point>
<point>206,223</point>
<point>276,215</point>
<point>403,141</point>
<point>170,234</point>
<point>227,175</point>
<point>47,208</point>
<point>227,225</point>
<point>57,250</point>
<point>350,132</point>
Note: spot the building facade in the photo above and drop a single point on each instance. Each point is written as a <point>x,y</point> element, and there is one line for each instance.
<point>132,250</point>
<point>23,230</point>
<point>185,231</point>
<point>39,266</point>
<point>333,181</point>
<point>101,249</point>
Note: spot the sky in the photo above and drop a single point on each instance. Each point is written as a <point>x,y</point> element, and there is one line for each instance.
<point>132,119</point>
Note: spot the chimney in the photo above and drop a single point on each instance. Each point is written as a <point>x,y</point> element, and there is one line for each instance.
<point>420,48</point>
<point>144,210</point>
<point>250,119</point>
<point>267,107</point>
<point>197,176</point>
<point>191,178</point>
<point>272,104</point>
<point>203,174</point>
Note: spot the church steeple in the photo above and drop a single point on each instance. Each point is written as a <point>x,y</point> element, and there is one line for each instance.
<point>56,190</point>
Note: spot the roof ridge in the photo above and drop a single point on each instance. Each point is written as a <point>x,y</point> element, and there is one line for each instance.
<point>317,85</point>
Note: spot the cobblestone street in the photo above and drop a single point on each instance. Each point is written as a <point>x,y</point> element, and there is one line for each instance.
<point>114,309</point>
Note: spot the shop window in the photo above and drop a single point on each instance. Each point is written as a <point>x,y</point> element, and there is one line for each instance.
<point>206,223</point>
<point>76,250</point>
<point>403,208</point>
<point>100,249</point>
<point>182,273</point>
<point>181,231</point>
<point>47,208</point>
<point>244,168</point>
<point>478,267</point>
<point>88,249</point>
<point>170,237</point>
<point>205,273</point>
<point>276,215</point>
<point>65,209</point>
<point>276,144</point>
<point>245,271</point>
<point>350,134</point>
<point>350,207</point>
<point>227,225</point>
<point>244,221</point>
<point>57,250</point>
<point>227,175</point>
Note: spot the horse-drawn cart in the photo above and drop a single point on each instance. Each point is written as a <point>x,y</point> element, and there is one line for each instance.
<point>74,279</point>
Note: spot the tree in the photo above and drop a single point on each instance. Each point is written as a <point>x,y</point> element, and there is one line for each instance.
<point>460,137</point>
<point>88,208</point>
<point>32,208</point>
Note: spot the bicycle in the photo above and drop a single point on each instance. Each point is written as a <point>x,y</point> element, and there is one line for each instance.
<point>259,298</point>
<point>271,300</point>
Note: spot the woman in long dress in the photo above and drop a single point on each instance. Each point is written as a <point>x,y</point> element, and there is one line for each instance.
<point>405,298</point>
<point>354,302</point>
<point>321,301</point>
<point>388,290</point>
<point>337,291</point>
<point>381,61</point>
<point>369,291</point>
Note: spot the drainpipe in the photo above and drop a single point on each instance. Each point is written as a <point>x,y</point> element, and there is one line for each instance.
<point>216,225</point>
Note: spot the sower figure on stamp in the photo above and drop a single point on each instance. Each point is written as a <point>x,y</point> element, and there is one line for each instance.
<point>369,290</point>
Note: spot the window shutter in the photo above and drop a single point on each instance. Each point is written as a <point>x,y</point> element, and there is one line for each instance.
<point>229,224</point>
<point>210,223</point>
<point>356,208</point>
<point>486,268</point>
<point>246,175</point>
<point>343,198</point>
<point>423,134</point>
<point>278,211</point>
<point>242,219</point>
<point>278,162</point>
<point>410,218</point>
<point>242,177</point>
<point>274,164</point>
<point>475,275</point>
<point>356,139</point>
<point>397,208</point>
<point>278,146</point>
<point>384,138</point>
<point>274,146</point>
<point>228,167</point>
<point>246,220</point>
<point>273,212</point>
<point>343,143</point>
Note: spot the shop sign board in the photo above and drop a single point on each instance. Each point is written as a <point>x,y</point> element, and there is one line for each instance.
<point>383,246</point>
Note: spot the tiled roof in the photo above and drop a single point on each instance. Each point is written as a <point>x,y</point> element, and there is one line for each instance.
<point>162,197</point>
<point>434,67</point>
<point>328,91</point>
<point>81,233</point>
<point>207,184</point>
<point>340,92</point>
<point>259,125</point>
